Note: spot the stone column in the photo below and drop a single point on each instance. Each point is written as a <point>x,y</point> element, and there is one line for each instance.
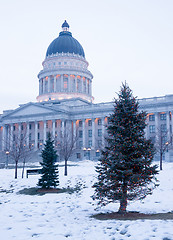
<point>49,84</point>
<point>82,87</point>
<point>3,137</point>
<point>19,129</point>
<point>74,131</point>
<point>36,135</point>
<point>62,127</point>
<point>168,126</point>
<point>44,132</point>
<point>53,129</point>
<point>103,131</point>
<point>27,133</point>
<point>55,83</point>
<point>93,132</point>
<point>11,135</point>
<point>43,85</point>
<point>157,129</point>
<point>84,132</point>
<point>69,84</point>
<point>75,86</point>
<point>90,89</point>
<point>172,121</point>
<point>62,87</point>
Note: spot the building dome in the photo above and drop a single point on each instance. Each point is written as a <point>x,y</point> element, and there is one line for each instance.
<point>65,73</point>
<point>65,43</point>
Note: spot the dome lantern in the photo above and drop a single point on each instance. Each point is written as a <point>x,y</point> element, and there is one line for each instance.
<point>65,26</point>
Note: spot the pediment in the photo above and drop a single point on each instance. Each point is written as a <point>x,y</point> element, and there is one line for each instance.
<point>29,110</point>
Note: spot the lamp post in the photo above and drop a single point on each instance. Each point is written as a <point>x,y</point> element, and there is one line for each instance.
<point>6,164</point>
<point>167,146</point>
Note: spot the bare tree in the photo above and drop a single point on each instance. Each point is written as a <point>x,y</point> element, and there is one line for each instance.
<point>18,148</point>
<point>67,145</point>
<point>162,144</point>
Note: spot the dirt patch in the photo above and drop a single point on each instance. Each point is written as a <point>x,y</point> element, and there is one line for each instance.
<point>134,216</point>
<point>50,190</point>
<point>42,191</point>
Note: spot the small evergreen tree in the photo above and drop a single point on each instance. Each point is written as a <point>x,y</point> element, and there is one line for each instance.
<point>124,169</point>
<point>49,170</point>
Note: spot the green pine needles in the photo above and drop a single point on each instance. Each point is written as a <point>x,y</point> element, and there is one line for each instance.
<point>49,171</point>
<point>124,170</point>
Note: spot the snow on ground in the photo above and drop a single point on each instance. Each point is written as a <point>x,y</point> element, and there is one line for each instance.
<point>67,216</point>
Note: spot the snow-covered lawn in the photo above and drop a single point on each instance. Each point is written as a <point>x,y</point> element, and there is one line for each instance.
<point>67,216</point>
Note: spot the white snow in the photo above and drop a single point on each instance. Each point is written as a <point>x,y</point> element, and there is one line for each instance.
<point>67,216</point>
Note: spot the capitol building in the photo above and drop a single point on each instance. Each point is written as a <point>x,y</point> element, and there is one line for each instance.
<point>65,104</point>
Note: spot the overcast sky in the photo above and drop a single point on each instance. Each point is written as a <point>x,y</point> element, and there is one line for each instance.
<point>128,40</point>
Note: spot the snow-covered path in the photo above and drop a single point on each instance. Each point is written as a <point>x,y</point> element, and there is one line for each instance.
<point>67,216</point>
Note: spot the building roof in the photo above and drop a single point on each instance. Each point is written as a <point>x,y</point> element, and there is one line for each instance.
<point>65,43</point>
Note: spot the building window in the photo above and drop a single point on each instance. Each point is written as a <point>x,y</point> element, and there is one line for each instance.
<point>38,125</point>
<point>80,133</point>
<point>99,143</point>
<point>99,132</point>
<point>14,128</point>
<point>65,81</point>
<point>56,124</point>
<point>163,116</point>
<point>152,117</point>
<point>164,139</point>
<point>99,121</point>
<point>80,123</point>
<point>30,126</point>
<point>89,133</point>
<point>47,135</point>
<point>38,136</point>
<point>153,139</point>
<point>109,120</point>
<point>152,128</point>
<point>47,124</point>
<point>22,127</point>
<point>90,143</point>
<point>78,155</point>
<point>21,137</point>
<point>56,134</point>
<point>80,144</point>
<point>89,122</point>
<point>97,154</point>
<point>14,137</point>
<point>163,127</point>
<point>30,137</point>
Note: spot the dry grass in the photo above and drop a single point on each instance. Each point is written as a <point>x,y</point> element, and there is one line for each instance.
<point>134,216</point>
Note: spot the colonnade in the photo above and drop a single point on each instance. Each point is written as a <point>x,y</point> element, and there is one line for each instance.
<point>65,83</point>
<point>35,132</point>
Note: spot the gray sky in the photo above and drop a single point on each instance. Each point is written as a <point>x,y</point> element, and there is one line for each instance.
<point>128,40</point>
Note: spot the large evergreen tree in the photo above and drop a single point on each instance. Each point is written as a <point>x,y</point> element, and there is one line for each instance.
<point>124,169</point>
<point>49,169</point>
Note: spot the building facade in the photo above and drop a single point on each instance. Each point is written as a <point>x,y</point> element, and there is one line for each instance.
<point>65,105</point>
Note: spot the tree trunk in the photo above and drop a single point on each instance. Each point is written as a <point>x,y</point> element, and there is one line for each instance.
<point>16,169</point>
<point>65,172</point>
<point>161,155</point>
<point>123,200</point>
<point>23,168</point>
